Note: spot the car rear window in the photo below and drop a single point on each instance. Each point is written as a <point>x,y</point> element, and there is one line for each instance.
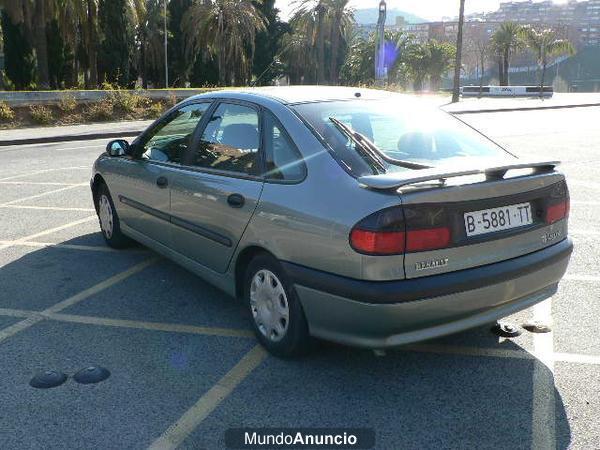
<point>408,132</point>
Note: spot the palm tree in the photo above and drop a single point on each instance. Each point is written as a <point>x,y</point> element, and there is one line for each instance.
<point>228,29</point>
<point>341,22</point>
<point>78,22</point>
<point>151,41</point>
<point>505,41</point>
<point>325,26</point>
<point>417,61</point>
<point>359,66</point>
<point>33,14</point>
<point>296,52</point>
<point>545,44</point>
<point>440,56</point>
<point>459,49</point>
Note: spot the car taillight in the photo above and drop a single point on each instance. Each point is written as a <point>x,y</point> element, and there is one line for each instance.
<point>428,239</point>
<point>387,232</point>
<point>554,213</point>
<point>377,242</point>
<point>558,205</point>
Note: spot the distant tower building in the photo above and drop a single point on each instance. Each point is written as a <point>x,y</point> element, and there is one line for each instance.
<point>380,69</point>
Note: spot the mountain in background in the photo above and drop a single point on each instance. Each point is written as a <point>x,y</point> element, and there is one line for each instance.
<point>368,16</point>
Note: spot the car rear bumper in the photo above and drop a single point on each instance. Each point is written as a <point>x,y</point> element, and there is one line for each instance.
<point>391,313</point>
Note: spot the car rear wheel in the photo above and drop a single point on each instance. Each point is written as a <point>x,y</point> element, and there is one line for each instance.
<point>277,316</point>
<point>109,220</point>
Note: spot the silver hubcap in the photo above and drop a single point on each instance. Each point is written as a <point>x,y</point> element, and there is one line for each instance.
<point>106,216</point>
<point>269,305</point>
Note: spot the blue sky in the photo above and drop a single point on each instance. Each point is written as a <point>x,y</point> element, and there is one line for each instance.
<point>428,9</point>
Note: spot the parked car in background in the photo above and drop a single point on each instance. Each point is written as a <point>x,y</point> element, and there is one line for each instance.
<point>353,215</point>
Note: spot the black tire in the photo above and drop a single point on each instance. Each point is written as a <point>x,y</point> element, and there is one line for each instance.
<point>296,341</point>
<point>113,237</point>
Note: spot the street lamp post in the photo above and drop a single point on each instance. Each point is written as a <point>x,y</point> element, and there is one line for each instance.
<point>380,69</point>
<point>166,56</point>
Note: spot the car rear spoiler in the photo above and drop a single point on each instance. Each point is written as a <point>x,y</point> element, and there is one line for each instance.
<point>396,180</point>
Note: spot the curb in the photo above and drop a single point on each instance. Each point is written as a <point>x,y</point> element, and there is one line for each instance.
<point>135,132</point>
<point>70,137</point>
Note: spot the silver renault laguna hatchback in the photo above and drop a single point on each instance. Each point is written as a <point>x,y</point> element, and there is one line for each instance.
<point>352,215</point>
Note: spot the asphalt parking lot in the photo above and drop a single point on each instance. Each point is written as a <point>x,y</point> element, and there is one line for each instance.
<point>185,367</point>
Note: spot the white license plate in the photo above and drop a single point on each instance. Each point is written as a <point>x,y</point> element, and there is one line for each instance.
<point>497,219</point>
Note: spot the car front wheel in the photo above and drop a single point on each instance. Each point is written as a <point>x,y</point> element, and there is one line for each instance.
<point>109,220</point>
<point>277,316</point>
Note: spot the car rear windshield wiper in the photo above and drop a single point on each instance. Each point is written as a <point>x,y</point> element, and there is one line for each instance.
<point>372,151</point>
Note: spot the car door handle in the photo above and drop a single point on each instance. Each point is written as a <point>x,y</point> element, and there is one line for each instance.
<point>162,182</point>
<point>236,200</point>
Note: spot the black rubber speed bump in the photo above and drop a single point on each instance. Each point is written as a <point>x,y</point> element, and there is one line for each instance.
<point>537,327</point>
<point>48,379</point>
<point>92,374</point>
<point>506,329</point>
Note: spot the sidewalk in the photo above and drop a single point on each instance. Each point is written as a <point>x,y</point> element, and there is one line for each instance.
<point>108,130</point>
<point>507,104</point>
<point>102,130</point>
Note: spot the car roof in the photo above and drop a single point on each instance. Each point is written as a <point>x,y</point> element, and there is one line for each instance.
<point>300,94</point>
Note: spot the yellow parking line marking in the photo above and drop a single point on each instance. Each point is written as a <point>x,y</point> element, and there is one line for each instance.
<point>17,312</point>
<point>30,321</point>
<point>543,408</point>
<point>47,208</point>
<point>39,172</point>
<point>152,326</point>
<point>59,228</point>
<point>19,326</point>
<point>100,286</point>
<point>576,358</point>
<point>38,183</point>
<point>134,324</point>
<point>45,232</point>
<point>43,194</point>
<point>186,424</point>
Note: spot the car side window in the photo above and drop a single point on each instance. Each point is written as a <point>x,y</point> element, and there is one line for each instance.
<point>230,141</point>
<point>282,158</point>
<point>170,140</point>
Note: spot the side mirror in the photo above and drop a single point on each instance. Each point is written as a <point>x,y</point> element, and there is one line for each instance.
<point>118,147</point>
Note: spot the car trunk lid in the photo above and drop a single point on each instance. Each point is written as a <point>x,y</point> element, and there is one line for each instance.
<point>442,207</point>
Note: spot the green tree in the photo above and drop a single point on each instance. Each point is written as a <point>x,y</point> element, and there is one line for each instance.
<point>359,66</point>
<point>431,59</point>
<point>116,45</point>
<point>266,65</point>
<point>545,44</point>
<point>298,51</point>
<point>78,22</point>
<point>227,28</point>
<point>19,61</point>
<point>505,42</point>
<point>33,15</point>
<point>180,64</point>
<point>441,56</point>
<point>324,28</point>
<point>151,42</point>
